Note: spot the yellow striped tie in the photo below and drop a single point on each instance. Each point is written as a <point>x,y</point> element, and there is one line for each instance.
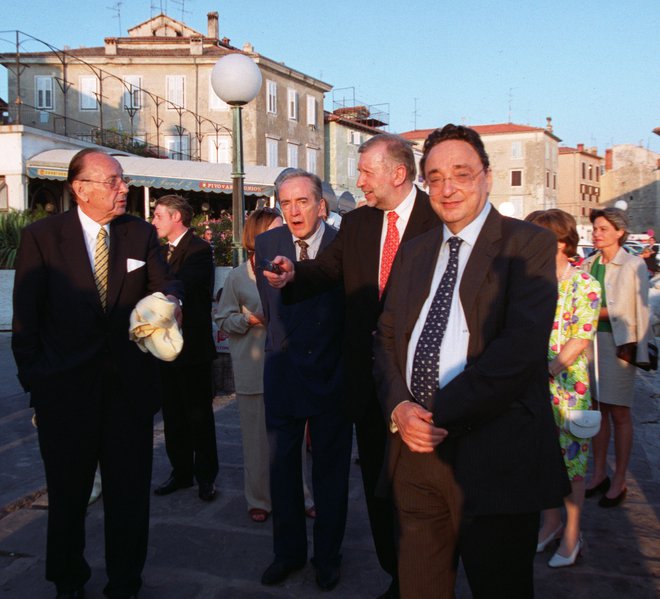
<point>101,255</point>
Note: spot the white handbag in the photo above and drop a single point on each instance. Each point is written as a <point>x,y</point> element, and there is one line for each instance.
<point>583,424</point>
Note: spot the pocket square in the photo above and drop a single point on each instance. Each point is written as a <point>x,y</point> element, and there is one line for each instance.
<point>132,264</point>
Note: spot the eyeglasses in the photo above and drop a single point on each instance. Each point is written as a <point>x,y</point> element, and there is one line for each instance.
<point>461,180</point>
<point>112,182</point>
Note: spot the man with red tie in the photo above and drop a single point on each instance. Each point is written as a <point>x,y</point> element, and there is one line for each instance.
<point>361,257</point>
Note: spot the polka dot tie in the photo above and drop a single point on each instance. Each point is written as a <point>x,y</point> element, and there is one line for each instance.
<point>389,250</point>
<point>424,378</point>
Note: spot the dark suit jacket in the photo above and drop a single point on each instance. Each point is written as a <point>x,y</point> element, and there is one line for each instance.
<point>353,258</point>
<point>502,440</point>
<point>192,264</point>
<point>302,370</point>
<point>60,332</point>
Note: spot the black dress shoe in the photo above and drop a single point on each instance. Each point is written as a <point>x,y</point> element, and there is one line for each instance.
<point>279,571</point>
<point>327,577</point>
<point>75,594</point>
<point>207,491</point>
<point>172,484</point>
<point>602,487</point>
<point>606,501</point>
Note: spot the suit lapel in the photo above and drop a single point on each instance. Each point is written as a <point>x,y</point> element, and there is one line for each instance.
<point>77,259</point>
<point>180,251</point>
<point>481,258</point>
<point>119,244</point>
<point>419,279</point>
<point>422,217</point>
<point>369,246</point>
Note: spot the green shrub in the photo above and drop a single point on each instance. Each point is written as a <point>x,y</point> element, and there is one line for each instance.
<point>222,236</point>
<point>11,225</point>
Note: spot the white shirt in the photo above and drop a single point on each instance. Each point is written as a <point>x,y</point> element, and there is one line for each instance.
<point>90,232</point>
<point>179,238</point>
<point>314,242</point>
<point>404,210</point>
<point>453,350</point>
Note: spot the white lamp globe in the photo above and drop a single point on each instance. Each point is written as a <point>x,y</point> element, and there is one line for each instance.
<point>236,79</point>
<point>507,209</point>
<point>621,205</point>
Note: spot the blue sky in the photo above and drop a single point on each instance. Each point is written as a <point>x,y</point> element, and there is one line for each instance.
<point>594,67</point>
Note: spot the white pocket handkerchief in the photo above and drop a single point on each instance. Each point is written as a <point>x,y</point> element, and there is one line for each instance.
<point>132,264</point>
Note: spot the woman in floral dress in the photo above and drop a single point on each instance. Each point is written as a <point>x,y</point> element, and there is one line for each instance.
<point>576,319</point>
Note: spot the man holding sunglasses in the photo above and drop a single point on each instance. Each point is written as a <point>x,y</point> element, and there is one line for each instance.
<point>78,277</point>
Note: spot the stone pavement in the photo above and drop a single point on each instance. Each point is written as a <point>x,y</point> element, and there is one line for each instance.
<point>207,551</point>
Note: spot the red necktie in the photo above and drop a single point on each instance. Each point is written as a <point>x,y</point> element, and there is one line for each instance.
<point>389,250</point>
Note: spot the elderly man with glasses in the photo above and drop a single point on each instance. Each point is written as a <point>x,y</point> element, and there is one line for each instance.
<point>78,277</point>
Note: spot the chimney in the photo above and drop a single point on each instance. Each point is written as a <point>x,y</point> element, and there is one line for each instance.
<point>110,46</point>
<point>548,124</point>
<point>608,159</point>
<point>213,25</point>
<point>580,147</point>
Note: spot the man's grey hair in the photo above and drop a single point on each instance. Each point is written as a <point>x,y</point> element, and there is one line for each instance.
<point>292,173</point>
<point>398,150</point>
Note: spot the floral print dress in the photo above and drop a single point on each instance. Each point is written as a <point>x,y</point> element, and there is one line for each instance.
<point>576,317</point>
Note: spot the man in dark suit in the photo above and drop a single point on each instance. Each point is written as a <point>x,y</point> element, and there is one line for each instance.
<point>188,380</point>
<point>93,391</point>
<point>302,383</point>
<point>360,257</point>
<point>462,375</point>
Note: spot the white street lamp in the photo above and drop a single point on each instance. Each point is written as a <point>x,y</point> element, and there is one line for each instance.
<point>236,79</point>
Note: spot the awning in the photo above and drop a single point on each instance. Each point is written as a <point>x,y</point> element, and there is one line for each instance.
<point>183,175</point>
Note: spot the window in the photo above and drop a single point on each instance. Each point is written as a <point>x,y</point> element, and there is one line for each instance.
<point>311,111</point>
<point>516,178</point>
<point>272,149</point>
<point>547,151</point>
<point>352,171</point>
<point>584,170</point>
<point>292,155</point>
<point>354,138</point>
<point>591,172</point>
<point>311,160</point>
<point>547,179</point>
<point>88,93</point>
<point>271,88</point>
<point>220,149</point>
<point>176,91</point>
<point>292,102</point>
<point>597,169</point>
<point>215,103</point>
<point>44,93</point>
<point>516,150</point>
<point>554,180</point>
<point>132,92</point>
<point>178,147</point>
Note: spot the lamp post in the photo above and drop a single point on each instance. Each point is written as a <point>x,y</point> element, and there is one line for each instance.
<point>236,79</point>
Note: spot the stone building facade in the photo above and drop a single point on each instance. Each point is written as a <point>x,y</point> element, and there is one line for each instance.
<point>632,175</point>
<point>524,161</point>
<point>579,185</point>
<point>150,92</point>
